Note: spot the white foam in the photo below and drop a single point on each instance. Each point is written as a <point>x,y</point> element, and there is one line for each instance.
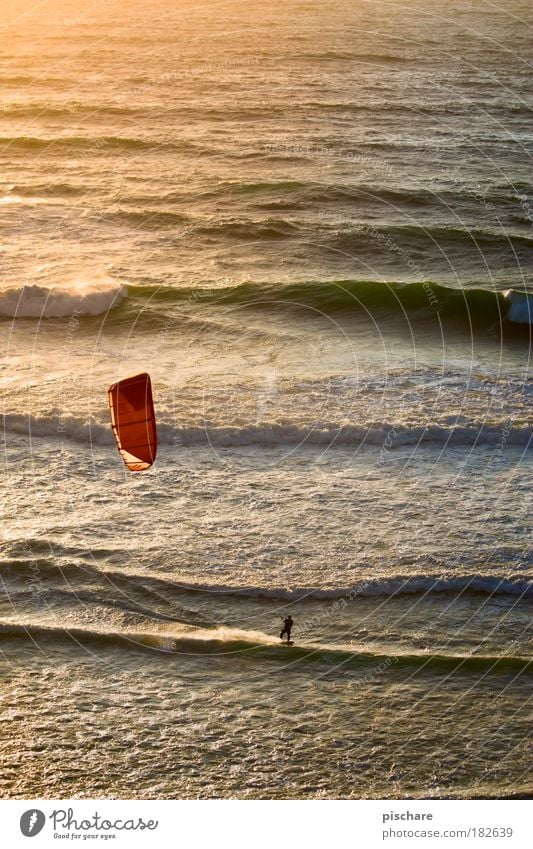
<point>395,585</point>
<point>77,298</point>
<point>373,433</point>
<point>16,200</point>
<point>521,307</point>
<point>229,635</point>
<point>58,426</point>
<point>98,431</point>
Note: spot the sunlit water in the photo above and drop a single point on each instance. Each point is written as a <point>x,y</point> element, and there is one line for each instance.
<point>301,219</point>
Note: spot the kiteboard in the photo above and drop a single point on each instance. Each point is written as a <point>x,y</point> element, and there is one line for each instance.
<point>289,643</point>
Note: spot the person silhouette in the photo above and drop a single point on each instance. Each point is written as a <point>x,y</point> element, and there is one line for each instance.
<point>288,622</point>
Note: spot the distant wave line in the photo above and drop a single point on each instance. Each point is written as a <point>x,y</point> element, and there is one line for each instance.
<point>271,434</point>
<point>225,642</point>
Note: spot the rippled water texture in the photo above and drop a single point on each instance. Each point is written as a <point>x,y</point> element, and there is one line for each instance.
<point>311,223</point>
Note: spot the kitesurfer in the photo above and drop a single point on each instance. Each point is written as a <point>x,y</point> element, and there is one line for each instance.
<point>288,622</point>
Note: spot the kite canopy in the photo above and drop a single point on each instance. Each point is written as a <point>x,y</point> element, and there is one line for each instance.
<point>133,421</point>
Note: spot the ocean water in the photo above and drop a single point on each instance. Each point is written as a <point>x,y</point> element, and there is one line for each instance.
<point>312,224</point>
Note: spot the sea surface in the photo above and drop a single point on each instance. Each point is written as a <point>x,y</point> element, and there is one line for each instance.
<point>311,223</point>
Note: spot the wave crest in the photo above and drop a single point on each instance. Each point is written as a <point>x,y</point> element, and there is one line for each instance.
<point>257,645</point>
<point>97,432</point>
<point>48,301</point>
<point>382,587</point>
<point>477,307</point>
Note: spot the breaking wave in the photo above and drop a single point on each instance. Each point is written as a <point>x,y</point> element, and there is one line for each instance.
<point>256,645</point>
<point>386,587</point>
<point>150,586</point>
<point>477,308</point>
<point>273,434</point>
<point>48,301</point>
